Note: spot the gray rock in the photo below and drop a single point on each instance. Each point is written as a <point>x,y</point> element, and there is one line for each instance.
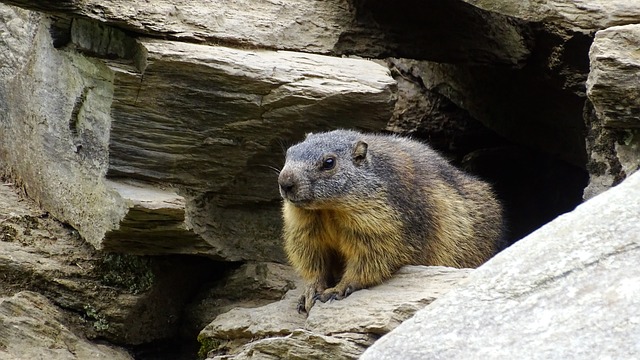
<point>54,128</point>
<point>336,27</point>
<point>340,329</point>
<point>249,286</point>
<point>32,328</point>
<point>111,296</point>
<point>507,101</point>
<point>283,25</point>
<point>568,291</point>
<point>207,124</point>
<point>584,16</point>
<point>300,344</point>
<point>614,139</point>
<point>614,67</point>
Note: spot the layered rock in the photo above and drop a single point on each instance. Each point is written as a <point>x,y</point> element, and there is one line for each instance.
<point>339,27</point>
<point>614,108</point>
<point>578,16</point>
<point>31,327</point>
<point>122,298</point>
<point>158,128</point>
<point>582,303</point>
<point>342,329</point>
<point>163,112</point>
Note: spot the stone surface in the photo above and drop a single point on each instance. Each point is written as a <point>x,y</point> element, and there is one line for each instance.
<point>339,27</point>
<point>56,109</point>
<point>341,329</point>
<point>615,70</point>
<point>191,101</point>
<point>583,302</point>
<point>155,222</point>
<point>614,110</point>
<point>159,112</point>
<point>31,328</point>
<point>582,15</point>
<point>271,24</point>
<point>250,285</point>
<point>127,299</point>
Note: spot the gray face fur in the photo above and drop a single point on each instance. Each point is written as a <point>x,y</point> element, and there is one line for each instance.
<point>323,168</point>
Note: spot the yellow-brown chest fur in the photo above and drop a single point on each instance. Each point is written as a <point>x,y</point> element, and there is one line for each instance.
<point>362,229</point>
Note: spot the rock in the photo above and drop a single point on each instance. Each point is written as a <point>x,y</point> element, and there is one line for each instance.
<point>246,102</point>
<point>249,286</point>
<point>614,139</point>
<point>157,116</point>
<point>583,303</point>
<point>154,224</point>
<point>583,16</point>
<point>339,27</point>
<point>300,344</point>
<point>32,328</point>
<point>58,111</point>
<point>610,85</point>
<point>110,294</point>
<point>278,25</point>
<point>341,329</point>
<point>507,101</point>
<point>425,114</point>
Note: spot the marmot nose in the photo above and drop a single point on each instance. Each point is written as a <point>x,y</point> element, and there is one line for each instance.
<point>286,182</point>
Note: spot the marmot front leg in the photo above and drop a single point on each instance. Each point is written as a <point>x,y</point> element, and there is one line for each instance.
<point>310,294</point>
<point>360,272</point>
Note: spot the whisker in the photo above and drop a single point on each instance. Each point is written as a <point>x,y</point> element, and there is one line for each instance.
<point>275,169</point>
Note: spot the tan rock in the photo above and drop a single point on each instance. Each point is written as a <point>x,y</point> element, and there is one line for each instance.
<point>341,329</point>
<point>31,328</point>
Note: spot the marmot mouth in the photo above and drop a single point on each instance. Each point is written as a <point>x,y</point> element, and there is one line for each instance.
<point>302,203</point>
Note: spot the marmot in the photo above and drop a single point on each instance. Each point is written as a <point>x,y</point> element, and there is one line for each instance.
<point>357,207</point>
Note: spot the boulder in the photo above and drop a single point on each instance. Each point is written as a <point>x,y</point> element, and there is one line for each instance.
<point>31,327</point>
<point>614,110</point>
<point>568,290</point>
<point>341,329</point>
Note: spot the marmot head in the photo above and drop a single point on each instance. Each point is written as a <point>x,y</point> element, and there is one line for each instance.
<point>324,169</point>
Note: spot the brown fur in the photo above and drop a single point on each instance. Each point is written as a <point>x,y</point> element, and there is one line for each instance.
<point>344,240</point>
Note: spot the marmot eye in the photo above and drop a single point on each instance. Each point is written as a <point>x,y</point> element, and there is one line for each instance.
<point>328,163</point>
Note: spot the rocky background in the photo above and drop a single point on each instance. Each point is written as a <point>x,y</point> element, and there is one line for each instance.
<point>140,143</point>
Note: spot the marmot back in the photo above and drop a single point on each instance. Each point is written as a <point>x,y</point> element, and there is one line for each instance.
<point>357,207</point>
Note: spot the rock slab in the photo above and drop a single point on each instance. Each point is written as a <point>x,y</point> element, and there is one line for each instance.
<point>339,329</point>
<point>30,329</point>
<point>569,290</point>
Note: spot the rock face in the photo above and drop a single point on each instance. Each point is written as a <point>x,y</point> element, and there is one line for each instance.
<point>109,296</point>
<point>339,329</point>
<point>30,328</point>
<point>150,134</point>
<point>582,302</point>
<point>148,114</point>
<point>584,16</point>
<point>614,108</point>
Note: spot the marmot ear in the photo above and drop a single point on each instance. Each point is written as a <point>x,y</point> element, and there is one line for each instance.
<point>360,151</point>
